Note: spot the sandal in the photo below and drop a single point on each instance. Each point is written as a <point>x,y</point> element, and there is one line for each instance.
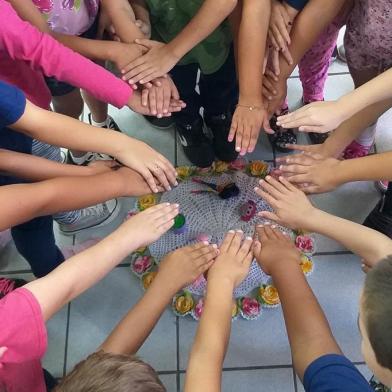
<point>282,136</point>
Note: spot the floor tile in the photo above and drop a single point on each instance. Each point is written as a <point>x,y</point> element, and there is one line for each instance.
<point>266,380</point>
<point>252,343</point>
<point>337,282</point>
<point>137,126</point>
<point>169,381</point>
<point>95,313</point>
<point>340,203</point>
<point>11,260</point>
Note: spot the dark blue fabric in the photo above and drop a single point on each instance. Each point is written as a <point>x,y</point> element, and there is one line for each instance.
<point>34,239</point>
<point>334,373</point>
<point>297,4</point>
<point>12,104</point>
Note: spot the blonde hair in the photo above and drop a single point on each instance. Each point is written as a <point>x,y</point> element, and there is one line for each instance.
<point>105,372</point>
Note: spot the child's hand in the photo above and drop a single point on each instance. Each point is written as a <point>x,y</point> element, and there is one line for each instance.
<point>278,94</point>
<point>162,98</point>
<point>245,127</point>
<point>291,207</point>
<point>312,173</point>
<point>157,62</point>
<point>183,266</point>
<point>153,166</point>
<point>274,248</point>
<point>316,117</point>
<point>123,54</point>
<point>233,263</point>
<point>147,226</point>
<point>280,26</point>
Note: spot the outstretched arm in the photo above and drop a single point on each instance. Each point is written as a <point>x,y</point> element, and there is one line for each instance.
<point>212,336</point>
<point>82,271</point>
<point>293,209</point>
<point>307,327</point>
<point>129,335</point>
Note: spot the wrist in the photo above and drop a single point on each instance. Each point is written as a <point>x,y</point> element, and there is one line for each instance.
<point>112,50</point>
<point>347,106</point>
<point>286,266</point>
<point>220,284</point>
<point>175,51</point>
<point>254,100</point>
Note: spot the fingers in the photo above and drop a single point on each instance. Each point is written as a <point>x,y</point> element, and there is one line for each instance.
<point>267,197</point>
<point>270,216</point>
<point>275,62</point>
<point>145,172</point>
<point>166,211</point>
<point>160,175</point>
<point>273,189</point>
<point>297,169</point>
<point>313,128</point>
<point>299,147</point>
<point>235,243</point>
<point>238,137</point>
<point>247,129</point>
<point>267,127</point>
<point>287,184</point>
<point>253,139</point>
<point>145,94</point>
<point>233,128</point>
<point>287,56</point>
<point>174,91</point>
<point>246,250</point>
<point>167,94</point>
<point>169,171</point>
<point>227,241</point>
<point>206,253</point>
<point>276,184</point>
<point>152,98</point>
<point>160,98</point>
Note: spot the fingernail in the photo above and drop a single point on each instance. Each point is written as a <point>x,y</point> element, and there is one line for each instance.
<point>260,225</point>
<point>169,188</point>
<point>256,189</point>
<point>215,246</point>
<point>206,243</point>
<point>231,231</point>
<point>268,177</point>
<point>176,205</point>
<point>167,204</point>
<point>261,182</point>
<point>176,183</point>
<point>239,231</point>
<point>130,81</point>
<point>141,81</point>
<point>238,149</point>
<point>280,167</point>
<point>249,238</point>
<point>267,223</point>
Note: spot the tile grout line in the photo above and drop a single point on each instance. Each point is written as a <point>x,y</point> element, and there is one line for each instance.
<point>342,73</point>
<point>295,380</point>
<point>178,354</point>
<point>66,339</point>
<point>175,148</point>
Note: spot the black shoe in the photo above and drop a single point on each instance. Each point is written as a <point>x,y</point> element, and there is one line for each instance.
<point>379,220</point>
<point>111,124</point>
<point>282,136</point>
<point>220,128</point>
<point>318,138</point>
<point>197,147</point>
<point>160,123</point>
<point>377,386</point>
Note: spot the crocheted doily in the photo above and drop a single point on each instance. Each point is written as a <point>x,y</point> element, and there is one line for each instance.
<point>210,216</point>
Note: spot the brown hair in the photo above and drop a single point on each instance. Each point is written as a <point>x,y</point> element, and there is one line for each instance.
<point>377,307</point>
<point>105,372</point>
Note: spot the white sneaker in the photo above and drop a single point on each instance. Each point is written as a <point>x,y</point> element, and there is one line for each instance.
<point>95,216</point>
<point>88,157</point>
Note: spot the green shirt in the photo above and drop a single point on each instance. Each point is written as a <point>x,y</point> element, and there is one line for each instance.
<point>169,17</point>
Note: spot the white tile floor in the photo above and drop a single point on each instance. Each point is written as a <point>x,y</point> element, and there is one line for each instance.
<point>258,357</point>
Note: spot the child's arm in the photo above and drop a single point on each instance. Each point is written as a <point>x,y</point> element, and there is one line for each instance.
<point>307,327</point>
<point>142,15</point>
<point>327,116</point>
<point>250,115</point>
<point>316,174</point>
<point>177,270</point>
<point>82,271</point>
<point>26,201</point>
<point>162,58</point>
<point>64,131</point>
<point>293,209</point>
<point>209,348</point>
<point>303,34</point>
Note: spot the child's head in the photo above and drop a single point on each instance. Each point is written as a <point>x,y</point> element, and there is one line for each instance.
<point>375,320</point>
<point>105,372</point>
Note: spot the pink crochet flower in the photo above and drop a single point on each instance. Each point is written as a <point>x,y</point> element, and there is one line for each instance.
<point>356,150</point>
<point>198,310</point>
<point>238,164</point>
<point>142,264</point>
<point>44,6</point>
<point>250,307</point>
<point>304,243</point>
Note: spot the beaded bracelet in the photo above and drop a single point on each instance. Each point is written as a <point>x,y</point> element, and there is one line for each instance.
<point>249,107</point>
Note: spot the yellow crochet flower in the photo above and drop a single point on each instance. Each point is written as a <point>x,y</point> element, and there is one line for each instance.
<point>306,264</point>
<point>147,201</point>
<point>221,167</point>
<point>234,310</point>
<point>258,168</point>
<point>269,295</point>
<point>183,304</point>
<point>184,172</point>
<point>148,278</point>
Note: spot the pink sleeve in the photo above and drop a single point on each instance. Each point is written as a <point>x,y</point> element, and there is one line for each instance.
<point>22,41</point>
<point>23,329</point>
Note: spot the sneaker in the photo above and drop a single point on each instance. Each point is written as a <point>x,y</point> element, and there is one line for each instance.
<point>379,220</point>
<point>220,128</point>
<point>94,216</point>
<point>334,54</point>
<point>197,147</point>
<point>87,158</point>
<point>160,123</point>
<point>342,53</point>
<point>282,136</point>
<point>356,150</point>
<point>8,285</point>
<point>72,250</point>
<point>377,386</point>
<point>110,123</point>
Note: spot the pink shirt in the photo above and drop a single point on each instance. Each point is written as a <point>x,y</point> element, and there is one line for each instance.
<point>23,332</point>
<point>69,16</point>
<point>26,55</point>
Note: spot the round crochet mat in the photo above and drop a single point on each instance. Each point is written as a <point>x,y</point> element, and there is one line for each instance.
<point>209,216</point>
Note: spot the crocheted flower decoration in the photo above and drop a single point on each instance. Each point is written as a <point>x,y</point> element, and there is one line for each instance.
<point>258,169</point>
<point>250,308</point>
<point>220,167</point>
<point>142,264</point>
<point>183,303</point>
<point>198,309</point>
<point>184,172</point>
<point>238,164</point>
<point>305,244</point>
<point>268,295</point>
<point>147,201</point>
<point>306,264</point>
<point>148,278</point>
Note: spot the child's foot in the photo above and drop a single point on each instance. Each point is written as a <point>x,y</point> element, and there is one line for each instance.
<point>220,128</point>
<point>356,150</point>
<point>197,147</point>
<point>8,285</point>
<point>94,216</point>
<point>72,250</point>
<point>282,136</point>
<point>5,238</point>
